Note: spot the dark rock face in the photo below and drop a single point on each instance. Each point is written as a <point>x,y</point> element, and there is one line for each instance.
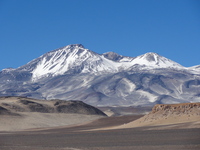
<point>76,107</point>
<point>184,108</point>
<point>113,56</point>
<point>4,111</point>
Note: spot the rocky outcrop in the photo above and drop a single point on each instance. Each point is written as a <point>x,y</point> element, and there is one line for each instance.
<point>183,115</point>
<point>172,114</point>
<point>176,109</point>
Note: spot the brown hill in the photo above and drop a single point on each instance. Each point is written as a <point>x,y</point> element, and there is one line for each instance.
<point>185,115</point>
<point>22,104</point>
<point>19,113</point>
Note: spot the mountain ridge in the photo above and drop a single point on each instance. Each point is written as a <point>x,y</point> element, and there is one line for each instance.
<point>108,79</point>
<point>75,56</point>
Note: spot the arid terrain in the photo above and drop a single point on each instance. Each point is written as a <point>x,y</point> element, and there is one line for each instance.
<point>79,138</point>
<point>25,126</point>
<point>19,113</point>
<point>185,115</point>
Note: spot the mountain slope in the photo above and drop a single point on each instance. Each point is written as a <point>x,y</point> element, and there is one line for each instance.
<point>76,73</point>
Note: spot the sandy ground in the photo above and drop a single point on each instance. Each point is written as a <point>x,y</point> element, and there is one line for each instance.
<point>79,138</point>
<point>168,122</point>
<point>124,111</point>
<point>35,120</point>
<point>157,130</point>
<point>185,115</point>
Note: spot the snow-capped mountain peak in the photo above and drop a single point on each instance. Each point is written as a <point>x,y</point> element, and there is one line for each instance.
<point>72,58</point>
<point>61,60</point>
<point>109,79</point>
<point>77,59</point>
<point>156,61</point>
<point>150,56</point>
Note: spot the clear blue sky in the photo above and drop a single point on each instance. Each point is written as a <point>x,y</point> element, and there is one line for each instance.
<point>30,28</point>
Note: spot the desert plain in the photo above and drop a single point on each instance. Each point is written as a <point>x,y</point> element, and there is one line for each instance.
<point>24,126</point>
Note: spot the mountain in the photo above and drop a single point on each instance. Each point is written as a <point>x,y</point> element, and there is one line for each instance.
<point>67,60</point>
<point>76,73</point>
<point>156,61</point>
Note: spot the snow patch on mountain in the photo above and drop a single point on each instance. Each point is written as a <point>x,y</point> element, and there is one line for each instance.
<point>145,95</point>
